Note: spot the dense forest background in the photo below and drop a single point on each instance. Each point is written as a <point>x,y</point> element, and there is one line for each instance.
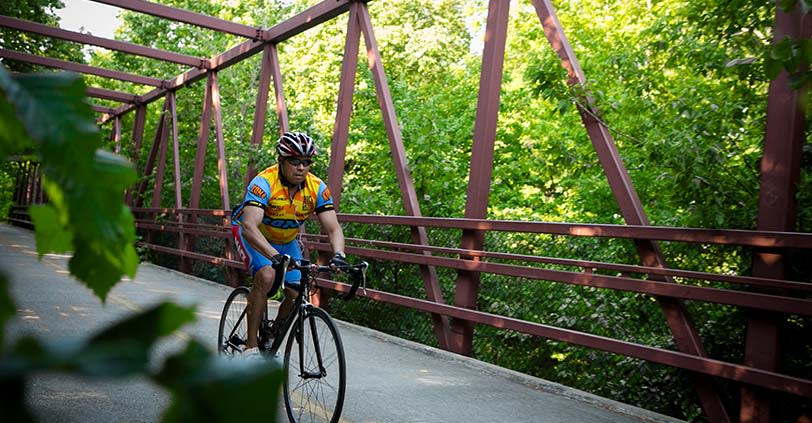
<point>681,85</point>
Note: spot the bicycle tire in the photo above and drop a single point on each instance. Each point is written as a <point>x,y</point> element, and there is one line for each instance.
<point>314,398</point>
<point>233,332</point>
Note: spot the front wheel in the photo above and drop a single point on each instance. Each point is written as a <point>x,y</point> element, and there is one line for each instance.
<point>233,333</point>
<point>316,374</point>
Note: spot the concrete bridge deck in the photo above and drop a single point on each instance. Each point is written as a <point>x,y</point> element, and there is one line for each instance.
<point>389,379</point>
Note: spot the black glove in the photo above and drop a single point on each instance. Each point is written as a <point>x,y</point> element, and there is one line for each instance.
<point>339,260</point>
<point>277,261</point>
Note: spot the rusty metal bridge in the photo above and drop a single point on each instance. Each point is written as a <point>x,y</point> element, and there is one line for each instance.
<point>767,294</point>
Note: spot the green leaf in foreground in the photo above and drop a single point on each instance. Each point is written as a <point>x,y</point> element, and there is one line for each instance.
<point>206,387</point>
<point>51,234</point>
<point>85,185</point>
<point>7,309</point>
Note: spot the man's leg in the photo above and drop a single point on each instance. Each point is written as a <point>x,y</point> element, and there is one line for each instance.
<point>286,305</point>
<point>258,302</point>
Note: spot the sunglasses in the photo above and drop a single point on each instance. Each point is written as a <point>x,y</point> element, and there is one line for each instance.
<point>297,162</point>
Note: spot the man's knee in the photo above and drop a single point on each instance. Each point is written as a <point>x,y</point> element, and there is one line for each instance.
<point>263,279</point>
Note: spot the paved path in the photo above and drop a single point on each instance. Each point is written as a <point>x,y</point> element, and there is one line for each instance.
<point>389,379</point>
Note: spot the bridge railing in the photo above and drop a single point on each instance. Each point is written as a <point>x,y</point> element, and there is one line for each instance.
<point>753,294</point>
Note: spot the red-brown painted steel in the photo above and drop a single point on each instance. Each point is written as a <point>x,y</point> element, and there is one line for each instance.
<point>173,112</point>
<point>682,328</point>
<point>588,266</point>
<point>115,135</point>
<point>202,142</point>
<point>80,68</point>
<point>481,170</point>
<point>346,87</point>
<point>662,233</point>
<point>138,135</point>
<point>222,160</point>
<point>180,15</point>
<point>260,110</point>
<point>183,244</point>
<point>112,95</point>
<point>153,152</point>
<point>407,190</point>
<point>735,372</point>
<point>121,46</point>
<point>157,190</point>
<point>102,109</point>
<point>281,106</point>
<point>303,21</point>
<point>780,171</point>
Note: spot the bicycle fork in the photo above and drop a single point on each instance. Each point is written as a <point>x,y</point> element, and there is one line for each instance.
<point>304,373</point>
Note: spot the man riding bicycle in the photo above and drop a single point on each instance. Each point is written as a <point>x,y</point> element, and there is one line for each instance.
<point>266,225</point>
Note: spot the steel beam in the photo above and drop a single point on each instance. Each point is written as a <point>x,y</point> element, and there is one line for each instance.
<point>202,143</point>
<point>157,191</point>
<point>279,93</point>
<point>153,152</point>
<point>711,367</point>
<point>222,160</point>
<point>401,163</point>
<point>780,171</point>
<point>185,16</point>
<point>124,47</point>
<point>102,109</point>
<point>138,135</point>
<point>115,135</point>
<point>481,170</point>
<point>80,68</point>
<point>311,17</point>
<point>346,88</point>
<point>768,239</point>
<point>260,109</point>
<point>112,95</point>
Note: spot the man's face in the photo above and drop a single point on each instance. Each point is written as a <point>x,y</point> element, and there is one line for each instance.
<point>295,168</point>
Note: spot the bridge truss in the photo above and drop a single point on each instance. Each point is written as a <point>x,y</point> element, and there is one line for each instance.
<point>768,296</point>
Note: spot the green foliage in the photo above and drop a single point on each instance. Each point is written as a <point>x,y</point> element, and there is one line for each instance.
<point>40,11</point>
<point>46,116</point>
<point>202,385</point>
<point>101,236</point>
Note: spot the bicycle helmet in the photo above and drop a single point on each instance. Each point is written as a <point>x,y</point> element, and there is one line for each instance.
<point>295,144</point>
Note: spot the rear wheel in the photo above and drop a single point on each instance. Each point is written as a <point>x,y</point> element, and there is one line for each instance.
<point>316,375</point>
<point>233,331</point>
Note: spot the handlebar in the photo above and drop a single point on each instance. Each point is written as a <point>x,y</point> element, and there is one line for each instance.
<point>357,272</point>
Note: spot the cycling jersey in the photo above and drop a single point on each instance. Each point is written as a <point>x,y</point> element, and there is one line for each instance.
<point>283,214</point>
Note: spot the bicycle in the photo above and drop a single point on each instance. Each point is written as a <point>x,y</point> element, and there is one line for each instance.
<point>315,368</point>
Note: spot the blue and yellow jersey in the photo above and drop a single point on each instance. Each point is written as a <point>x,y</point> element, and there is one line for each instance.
<point>284,215</point>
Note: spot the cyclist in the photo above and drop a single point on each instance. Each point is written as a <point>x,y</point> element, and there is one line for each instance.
<point>265,226</point>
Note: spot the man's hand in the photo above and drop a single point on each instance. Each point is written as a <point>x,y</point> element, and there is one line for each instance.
<point>339,260</point>
<point>278,260</point>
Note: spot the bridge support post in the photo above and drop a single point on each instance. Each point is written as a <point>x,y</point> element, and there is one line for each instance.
<point>780,171</point>
<point>138,135</point>
<point>479,179</point>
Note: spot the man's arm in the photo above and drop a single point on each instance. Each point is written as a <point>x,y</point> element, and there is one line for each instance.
<point>329,222</point>
<point>251,219</point>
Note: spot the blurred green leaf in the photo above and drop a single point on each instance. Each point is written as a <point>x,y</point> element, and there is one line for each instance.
<point>145,328</point>
<point>13,139</point>
<point>85,184</point>
<point>206,387</point>
<point>51,235</point>
<point>7,309</point>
